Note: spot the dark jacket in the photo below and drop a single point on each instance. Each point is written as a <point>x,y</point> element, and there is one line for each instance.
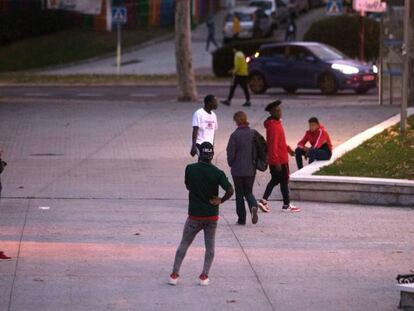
<point>241,152</point>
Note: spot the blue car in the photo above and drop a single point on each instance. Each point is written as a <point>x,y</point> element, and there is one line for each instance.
<point>308,65</point>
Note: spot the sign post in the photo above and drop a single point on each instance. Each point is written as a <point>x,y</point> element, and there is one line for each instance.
<point>119,18</point>
<point>406,69</point>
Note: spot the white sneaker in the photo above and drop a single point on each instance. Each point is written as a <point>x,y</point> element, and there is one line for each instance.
<point>290,209</point>
<point>204,280</point>
<point>173,279</point>
<point>263,205</point>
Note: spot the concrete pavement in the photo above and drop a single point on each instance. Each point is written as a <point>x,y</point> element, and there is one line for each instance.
<point>94,205</point>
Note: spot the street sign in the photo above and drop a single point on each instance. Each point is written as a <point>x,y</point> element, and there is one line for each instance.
<point>376,6</point>
<point>119,15</point>
<point>335,7</point>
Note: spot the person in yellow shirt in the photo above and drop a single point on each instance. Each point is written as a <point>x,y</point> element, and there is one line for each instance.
<point>240,73</point>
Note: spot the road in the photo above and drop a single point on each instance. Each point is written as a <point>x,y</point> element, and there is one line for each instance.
<point>94,203</point>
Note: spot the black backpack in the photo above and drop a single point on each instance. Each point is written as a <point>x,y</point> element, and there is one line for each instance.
<point>2,165</point>
<point>261,151</point>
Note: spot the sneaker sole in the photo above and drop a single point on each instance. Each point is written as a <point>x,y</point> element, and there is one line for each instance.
<point>255,218</point>
<point>204,283</point>
<point>263,208</point>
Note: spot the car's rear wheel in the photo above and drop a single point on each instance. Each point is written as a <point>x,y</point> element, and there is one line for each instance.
<point>361,90</point>
<point>290,90</point>
<point>327,84</point>
<point>257,83</point>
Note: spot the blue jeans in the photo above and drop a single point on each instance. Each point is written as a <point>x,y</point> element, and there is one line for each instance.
<point>313,154</point>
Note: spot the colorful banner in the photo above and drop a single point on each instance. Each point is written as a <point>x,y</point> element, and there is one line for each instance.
<point>92,7</point>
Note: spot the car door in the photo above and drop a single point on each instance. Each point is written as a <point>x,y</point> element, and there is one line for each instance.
<point>303,68</point>
<point>275,65</point>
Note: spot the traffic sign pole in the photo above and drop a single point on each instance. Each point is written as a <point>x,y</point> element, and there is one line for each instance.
<point>119,17</point>
<point>406,70</point>
<point>118,50</point>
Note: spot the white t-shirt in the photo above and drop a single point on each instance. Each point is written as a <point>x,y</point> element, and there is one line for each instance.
<point>207,125</point>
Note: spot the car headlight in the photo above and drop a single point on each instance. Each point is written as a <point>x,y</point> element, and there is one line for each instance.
<point>345,69</point>
<point>375,68</point>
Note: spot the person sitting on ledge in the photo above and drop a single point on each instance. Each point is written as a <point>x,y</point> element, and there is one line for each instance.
<point>321,146</point>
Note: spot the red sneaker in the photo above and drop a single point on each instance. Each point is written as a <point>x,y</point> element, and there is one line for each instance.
<point>4,257</point>
<point>173,278</point>
<point>290,209</point>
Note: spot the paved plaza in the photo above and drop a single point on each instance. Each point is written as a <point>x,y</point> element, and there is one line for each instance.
<point>94,204</point>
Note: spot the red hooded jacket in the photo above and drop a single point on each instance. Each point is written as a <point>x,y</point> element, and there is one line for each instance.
<point>317,139</point>
<point>277,149</point>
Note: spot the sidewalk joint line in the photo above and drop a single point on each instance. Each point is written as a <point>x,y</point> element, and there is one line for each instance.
<point>250,264</point>
<point>18,256</point>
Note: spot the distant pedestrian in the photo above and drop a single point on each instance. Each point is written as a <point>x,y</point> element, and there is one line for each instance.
<point>240,73</point>
<point>204,124</point>
<point>290,34</point>
<point>211,35</point>
<point>241,157</point>
<point>202,180</point>
<point>2,166</point>
<point>321,145</point>
<point>278,157</point>
<point>236,27</point>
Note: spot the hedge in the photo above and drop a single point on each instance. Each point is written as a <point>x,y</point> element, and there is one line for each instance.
<point>223,57</point>
<point>25,24</point>
<point>343,33</point>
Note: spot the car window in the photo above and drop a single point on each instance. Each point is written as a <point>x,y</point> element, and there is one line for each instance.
<point>278,51</point>
<point>297,52</point>
<point>326,53</point>
<point>265,5</point>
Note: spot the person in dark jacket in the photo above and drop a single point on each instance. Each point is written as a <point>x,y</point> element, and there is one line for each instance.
<point>202,180</point>
<point>211,33</point>
<point>321,145</point>
<point>241,155</point>
<point>278,157</point>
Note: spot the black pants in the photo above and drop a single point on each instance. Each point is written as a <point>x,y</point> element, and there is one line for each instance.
<point>244,190</point>
<point>313,154</point>
<point>242,80</point>
<point>211,38</point>
<point>279,177</point>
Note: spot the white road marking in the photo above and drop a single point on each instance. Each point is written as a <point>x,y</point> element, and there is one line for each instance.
<point>143,95</point>
<point>37,94</point>
<point>89,95</point>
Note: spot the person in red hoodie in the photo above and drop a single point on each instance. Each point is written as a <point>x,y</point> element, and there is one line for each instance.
<point>278,158</point>
<point>321,146</point>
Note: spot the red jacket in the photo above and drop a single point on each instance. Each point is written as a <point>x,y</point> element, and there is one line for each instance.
<point>317,139</point>
<point>277,149</point>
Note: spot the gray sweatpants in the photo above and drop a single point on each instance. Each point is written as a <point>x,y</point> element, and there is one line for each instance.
<point>191,229</point>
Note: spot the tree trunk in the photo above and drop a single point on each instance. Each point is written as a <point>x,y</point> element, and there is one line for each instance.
<point>187,90</point>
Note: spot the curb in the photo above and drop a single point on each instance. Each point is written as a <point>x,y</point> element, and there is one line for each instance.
<point>357,190</point>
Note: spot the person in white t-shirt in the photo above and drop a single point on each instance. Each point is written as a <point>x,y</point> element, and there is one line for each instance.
<point>204,124</point>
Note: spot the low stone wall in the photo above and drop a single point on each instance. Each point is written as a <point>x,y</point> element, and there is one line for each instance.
<point>306,186</point>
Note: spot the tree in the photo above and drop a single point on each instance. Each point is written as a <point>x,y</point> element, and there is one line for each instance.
<point>187,90</point>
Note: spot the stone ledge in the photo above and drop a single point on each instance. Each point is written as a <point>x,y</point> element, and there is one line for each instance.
<point>359,190</point>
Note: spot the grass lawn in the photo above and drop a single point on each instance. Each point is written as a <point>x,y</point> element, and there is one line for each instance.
<point>386,155</point>
<point>68,46</point>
